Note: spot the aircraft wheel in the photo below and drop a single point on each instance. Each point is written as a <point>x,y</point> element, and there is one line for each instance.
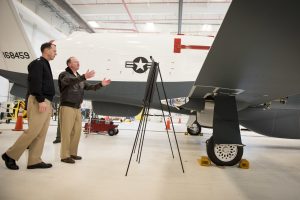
<point>194,129</point>
<point>116,131</point>
<point>223,154</point>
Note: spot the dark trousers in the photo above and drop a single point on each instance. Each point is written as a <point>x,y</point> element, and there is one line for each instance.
<point>58,128</point>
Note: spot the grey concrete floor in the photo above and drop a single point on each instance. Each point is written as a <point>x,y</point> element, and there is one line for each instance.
<point>274,169</point>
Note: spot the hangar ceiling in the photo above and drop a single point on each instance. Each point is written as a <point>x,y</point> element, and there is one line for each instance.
<point>199,17</point>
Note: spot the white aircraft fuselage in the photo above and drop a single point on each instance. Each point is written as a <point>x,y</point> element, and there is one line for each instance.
<point>122,57</point>
<point>126,57</point>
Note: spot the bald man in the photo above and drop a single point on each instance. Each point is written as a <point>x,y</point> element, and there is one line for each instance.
<point>72,85</point>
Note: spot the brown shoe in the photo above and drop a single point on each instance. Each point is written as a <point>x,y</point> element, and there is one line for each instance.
<point>68,160</point>
<point>76,157</point>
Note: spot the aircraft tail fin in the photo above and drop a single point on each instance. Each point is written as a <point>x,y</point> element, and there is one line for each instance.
<point>16,51</point>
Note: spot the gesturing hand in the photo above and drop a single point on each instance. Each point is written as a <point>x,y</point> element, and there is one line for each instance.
<point>105,82</point>
<point>89,74</point>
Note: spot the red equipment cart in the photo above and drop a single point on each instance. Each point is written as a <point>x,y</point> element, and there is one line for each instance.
<point>101,125</point>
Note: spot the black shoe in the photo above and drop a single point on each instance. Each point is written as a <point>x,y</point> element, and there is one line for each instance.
<point>68,160</point>
<point>76,157</point>
<point>41,165</point>
<point>9,162</point>
<point>56,141</point>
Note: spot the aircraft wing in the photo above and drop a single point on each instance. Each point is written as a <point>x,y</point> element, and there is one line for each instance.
<point>255,54</point>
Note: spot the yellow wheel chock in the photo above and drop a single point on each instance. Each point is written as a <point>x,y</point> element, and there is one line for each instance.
<point>204,161</point>
<point>244,164</point>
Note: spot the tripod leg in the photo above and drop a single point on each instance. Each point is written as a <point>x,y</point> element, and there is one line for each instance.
<point>134,145</point>
<point>176,143</point>
<point>164,117</point>
<point>142,132</point>
<point>138,131</point>
<point>162,83</point>
<point>143,136</point>
<point>148,98</point>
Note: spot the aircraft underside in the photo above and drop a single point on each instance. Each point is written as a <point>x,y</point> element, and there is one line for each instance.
<point>220,113</point>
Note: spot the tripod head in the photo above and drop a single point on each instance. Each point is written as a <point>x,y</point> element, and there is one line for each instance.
<point>151,58</point>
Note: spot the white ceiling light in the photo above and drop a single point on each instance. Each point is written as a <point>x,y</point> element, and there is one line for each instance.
<point>93,24</point>
<point>206,27</point>
<point>150,27</point>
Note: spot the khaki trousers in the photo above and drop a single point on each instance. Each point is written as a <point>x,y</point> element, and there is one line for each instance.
<point>70,129</point>
<point>34,136</point>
